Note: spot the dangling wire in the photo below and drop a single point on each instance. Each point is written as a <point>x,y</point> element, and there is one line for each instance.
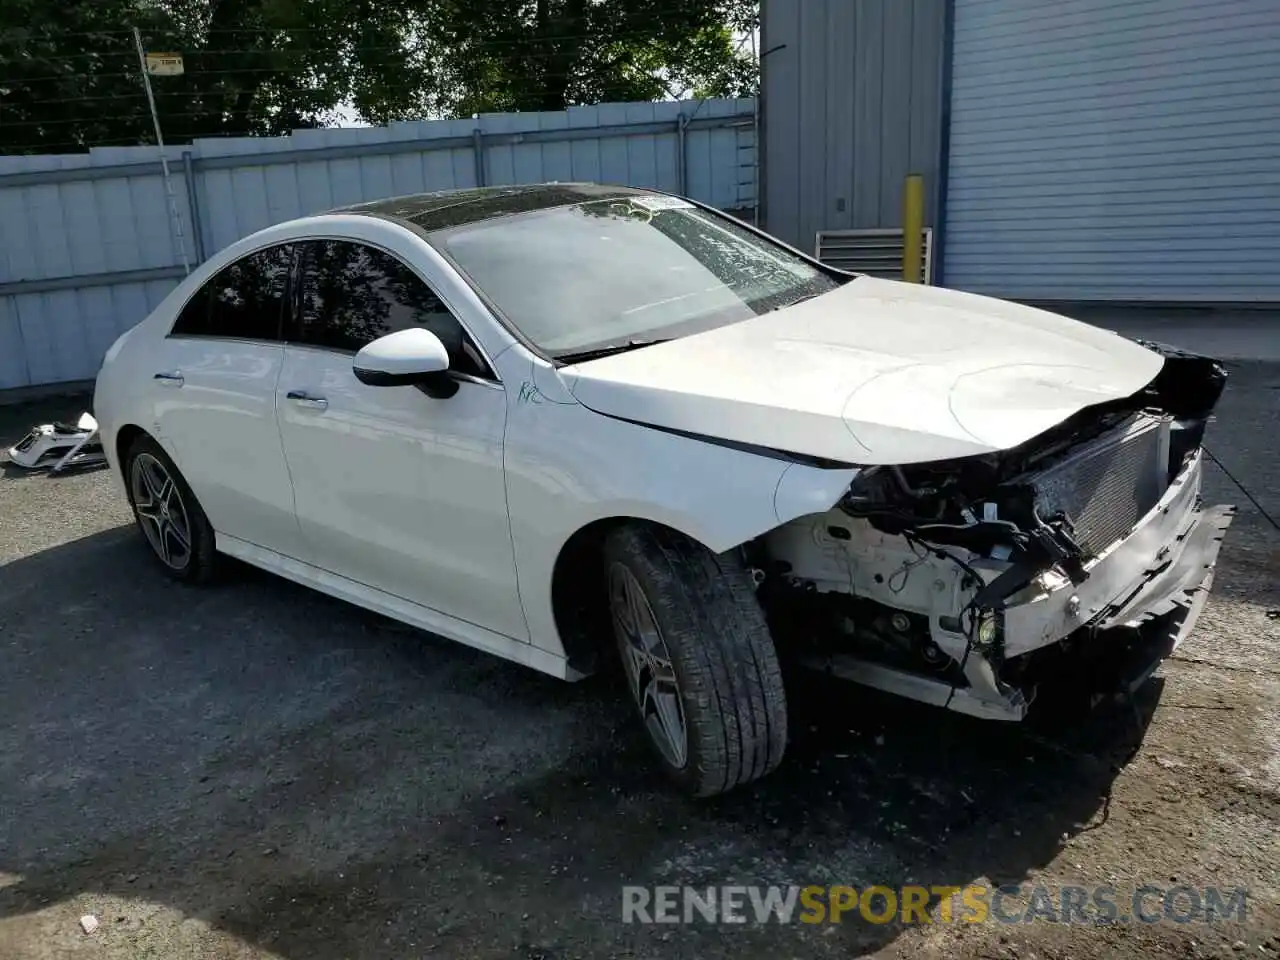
<point>1252,499</point>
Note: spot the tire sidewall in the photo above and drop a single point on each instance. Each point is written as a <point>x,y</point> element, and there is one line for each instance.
<point>691,614</point>
<point>651,586</point>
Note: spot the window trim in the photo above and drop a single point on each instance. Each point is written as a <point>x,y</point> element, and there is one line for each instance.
<point>295,276</point>
<point>285,302</point>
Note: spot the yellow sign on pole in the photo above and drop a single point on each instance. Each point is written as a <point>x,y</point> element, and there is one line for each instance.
<point>164,64</point>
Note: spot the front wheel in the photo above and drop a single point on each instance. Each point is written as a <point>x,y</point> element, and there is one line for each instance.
<point>698,658</point>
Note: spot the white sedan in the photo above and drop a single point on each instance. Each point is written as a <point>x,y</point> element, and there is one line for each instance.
<point>532,418</point>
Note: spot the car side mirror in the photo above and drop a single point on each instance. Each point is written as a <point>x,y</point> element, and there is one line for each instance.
<point>412,357</point>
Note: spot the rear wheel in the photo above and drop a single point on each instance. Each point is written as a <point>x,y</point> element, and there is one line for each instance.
<point>168,514</point>
<point>697,657</point>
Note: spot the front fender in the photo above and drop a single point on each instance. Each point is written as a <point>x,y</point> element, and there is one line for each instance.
<point>568,467</point>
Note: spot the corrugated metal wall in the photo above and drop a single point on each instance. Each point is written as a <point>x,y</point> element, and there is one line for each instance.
<point>849,107</point>
<point>87,247</point>
<point>1115,151</point>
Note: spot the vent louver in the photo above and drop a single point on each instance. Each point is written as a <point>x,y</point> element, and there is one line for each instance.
<point>876,252</point>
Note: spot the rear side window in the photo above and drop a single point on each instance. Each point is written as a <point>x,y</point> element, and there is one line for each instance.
<point>243,300</point>
<point>352,294</point>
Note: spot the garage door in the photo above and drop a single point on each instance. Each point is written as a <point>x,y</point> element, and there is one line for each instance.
<point>1103,150</point>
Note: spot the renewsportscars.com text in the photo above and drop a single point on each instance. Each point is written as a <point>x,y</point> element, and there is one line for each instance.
<point>972,903</point>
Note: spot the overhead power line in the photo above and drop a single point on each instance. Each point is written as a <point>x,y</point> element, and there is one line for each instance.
<point>534,54</point>
<point>46,36</point>
<point>178,41</point>
<point>239,59</point>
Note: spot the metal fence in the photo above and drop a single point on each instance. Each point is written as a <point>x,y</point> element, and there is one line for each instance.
<point>88,246</point>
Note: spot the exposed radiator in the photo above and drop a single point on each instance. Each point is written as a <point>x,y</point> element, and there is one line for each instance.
<point>1107,486</point>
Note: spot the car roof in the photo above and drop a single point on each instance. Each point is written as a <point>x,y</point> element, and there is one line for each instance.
<point>446,209</point>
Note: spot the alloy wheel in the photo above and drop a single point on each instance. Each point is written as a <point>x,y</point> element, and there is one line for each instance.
<point>161,513</point>
<point>647,664</point>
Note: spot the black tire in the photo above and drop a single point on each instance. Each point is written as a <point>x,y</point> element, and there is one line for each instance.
<point>726,671</point>
<point>198,563</point>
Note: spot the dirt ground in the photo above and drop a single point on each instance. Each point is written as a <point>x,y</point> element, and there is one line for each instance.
<point>256,771</point>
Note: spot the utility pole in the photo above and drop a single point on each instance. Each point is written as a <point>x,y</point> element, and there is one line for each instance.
<point>755,127</point>
<point>164,160</point>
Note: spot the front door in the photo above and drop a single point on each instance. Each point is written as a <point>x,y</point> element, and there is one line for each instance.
<point>394,489</point>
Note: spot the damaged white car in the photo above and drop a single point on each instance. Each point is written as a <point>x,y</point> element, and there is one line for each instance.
<point>566,422</point>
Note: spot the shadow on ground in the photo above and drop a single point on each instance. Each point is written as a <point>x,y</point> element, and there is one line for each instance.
<point>323,783</point>
<point>17,418</point>
<point>317,782</point>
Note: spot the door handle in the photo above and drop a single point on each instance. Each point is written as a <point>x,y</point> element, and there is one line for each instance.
<point>304,399</point>
<point>171,379</point>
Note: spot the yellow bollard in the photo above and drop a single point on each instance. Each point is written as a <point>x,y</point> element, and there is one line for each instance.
<point>913,228</point>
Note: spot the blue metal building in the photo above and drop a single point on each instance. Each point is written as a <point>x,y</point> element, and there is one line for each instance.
<point>1076,151</point>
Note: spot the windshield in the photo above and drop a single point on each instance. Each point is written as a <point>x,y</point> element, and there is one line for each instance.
<point>577,278</point>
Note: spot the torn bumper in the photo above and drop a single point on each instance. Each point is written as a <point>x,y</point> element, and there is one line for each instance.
<point>1162,568</point>
<point>1141,599</point>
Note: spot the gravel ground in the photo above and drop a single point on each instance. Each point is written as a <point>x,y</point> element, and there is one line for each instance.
<point>255,771</point>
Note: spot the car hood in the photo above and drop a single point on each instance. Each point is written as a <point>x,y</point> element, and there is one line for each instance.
<point>874,372</point>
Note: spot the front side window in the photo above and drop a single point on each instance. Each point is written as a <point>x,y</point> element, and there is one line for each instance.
<point>243,300</point>
<point>587,275</point>
<point>352,294</point>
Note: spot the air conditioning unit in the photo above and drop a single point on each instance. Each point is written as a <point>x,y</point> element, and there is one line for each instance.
<point>875,252</point>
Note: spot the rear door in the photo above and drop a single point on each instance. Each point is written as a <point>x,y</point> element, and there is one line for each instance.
<point>213,391</point>
<point>394,489</point>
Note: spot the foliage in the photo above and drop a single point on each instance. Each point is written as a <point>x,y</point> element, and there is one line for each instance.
<point>61,82</point>
<point>69,73</point>
<point>504,55</point>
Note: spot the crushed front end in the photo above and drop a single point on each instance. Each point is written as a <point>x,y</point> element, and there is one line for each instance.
<point>972,584</point>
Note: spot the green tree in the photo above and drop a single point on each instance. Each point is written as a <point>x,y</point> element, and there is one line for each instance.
<point>62,79</point>
<point>69,74</point>
<point>499,55</point>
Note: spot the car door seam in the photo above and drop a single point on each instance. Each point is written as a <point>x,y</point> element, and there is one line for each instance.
<point>511,534</point>
<point>284,450</point>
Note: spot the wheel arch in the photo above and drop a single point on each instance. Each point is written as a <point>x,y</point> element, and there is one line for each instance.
<point>578,600</point>
<point>124,438</point>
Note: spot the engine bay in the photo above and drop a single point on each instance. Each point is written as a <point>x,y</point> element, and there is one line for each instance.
<point>909,581</point>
